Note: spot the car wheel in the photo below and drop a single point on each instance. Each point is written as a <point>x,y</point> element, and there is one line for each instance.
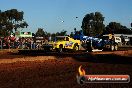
<point>60,49</point>
<point>76,48</point>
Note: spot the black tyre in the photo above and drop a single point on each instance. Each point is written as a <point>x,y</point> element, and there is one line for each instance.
<point>60,49</point>
<point>105,49</point>
<point>89,49</point>
<point>75,48</point>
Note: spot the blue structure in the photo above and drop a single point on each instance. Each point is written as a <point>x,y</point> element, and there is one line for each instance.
<point>78,35</point>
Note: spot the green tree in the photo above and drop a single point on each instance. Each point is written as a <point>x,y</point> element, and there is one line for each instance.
<point>62,33</point>
<point>40,32</point>
<point>92,24</point>
<point>11,20</point>
<point>75,29</point>
<point>47,34</point>
<point>72,34</point>
<point>117,28</point>
<point>53,35</point>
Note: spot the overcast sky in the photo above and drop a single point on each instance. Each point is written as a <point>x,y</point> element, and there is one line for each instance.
<point>56,15</point>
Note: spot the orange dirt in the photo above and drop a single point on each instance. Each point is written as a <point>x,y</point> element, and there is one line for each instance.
<point>19,71</point>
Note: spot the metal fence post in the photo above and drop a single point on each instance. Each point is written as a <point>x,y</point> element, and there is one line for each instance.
<point>1,46</point>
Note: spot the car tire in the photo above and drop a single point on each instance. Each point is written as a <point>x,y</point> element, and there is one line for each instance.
<point>75,48</point>
<point>60,49</point>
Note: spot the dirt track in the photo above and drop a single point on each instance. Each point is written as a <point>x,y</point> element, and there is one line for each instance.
<point>19,71</point>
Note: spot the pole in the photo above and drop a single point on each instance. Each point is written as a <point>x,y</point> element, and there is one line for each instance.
<point>1,44</point>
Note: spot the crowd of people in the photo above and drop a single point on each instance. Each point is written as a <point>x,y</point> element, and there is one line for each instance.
<point>18,43</point>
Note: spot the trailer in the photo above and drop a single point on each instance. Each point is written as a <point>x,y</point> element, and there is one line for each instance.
<point>91,43</point>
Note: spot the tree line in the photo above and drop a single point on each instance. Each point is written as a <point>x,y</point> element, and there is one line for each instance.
<point>92,25</point>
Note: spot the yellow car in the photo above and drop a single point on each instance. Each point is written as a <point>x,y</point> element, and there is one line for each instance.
<point>65,42</point>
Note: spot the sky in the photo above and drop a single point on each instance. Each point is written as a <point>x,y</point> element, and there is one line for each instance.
<point>57,15</point>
